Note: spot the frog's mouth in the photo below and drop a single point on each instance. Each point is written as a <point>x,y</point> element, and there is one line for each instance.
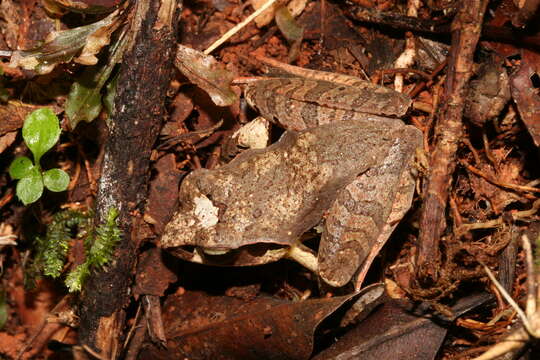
<point>247,255</point>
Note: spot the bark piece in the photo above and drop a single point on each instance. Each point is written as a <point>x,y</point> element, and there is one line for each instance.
<point>466,30</point>
<point>142,84</point>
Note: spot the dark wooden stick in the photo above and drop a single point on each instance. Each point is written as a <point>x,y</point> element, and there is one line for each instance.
<point>438,27</point>
<point>133,128</point>
<point>397,21</point>
<point>466,29</point>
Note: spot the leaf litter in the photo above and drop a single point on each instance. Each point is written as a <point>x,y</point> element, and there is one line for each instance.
<point>492,195</point>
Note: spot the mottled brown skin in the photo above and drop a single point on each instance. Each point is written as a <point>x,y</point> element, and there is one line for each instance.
<point>298,103</point>
<point>352,167</point>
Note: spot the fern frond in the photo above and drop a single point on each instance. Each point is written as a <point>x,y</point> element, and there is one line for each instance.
<point>98,252</point>
<point>107,237</point>
<point>76,278</point>
<point>51,250</point>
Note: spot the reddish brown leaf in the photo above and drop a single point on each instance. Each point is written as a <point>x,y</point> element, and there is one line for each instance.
<point>199,326</point>
<point>160,202</point>
<point>13,114</point>
<point>397,330</point>
<point>153,277</point>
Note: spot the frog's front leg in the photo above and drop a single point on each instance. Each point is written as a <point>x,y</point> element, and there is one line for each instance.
<point>366,212</point>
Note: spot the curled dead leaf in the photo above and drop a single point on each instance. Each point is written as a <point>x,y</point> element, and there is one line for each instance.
<point>63,46</point>
<point>207,73</point>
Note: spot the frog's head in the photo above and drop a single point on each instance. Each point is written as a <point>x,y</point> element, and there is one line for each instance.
<point>218,223</point>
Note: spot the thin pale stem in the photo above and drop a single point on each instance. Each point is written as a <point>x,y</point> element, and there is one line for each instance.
<point>531,281</point>
<point>239,26</point>
<point>509,299</point>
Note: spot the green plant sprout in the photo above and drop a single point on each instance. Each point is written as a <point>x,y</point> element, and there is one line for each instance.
<point>41,131</point>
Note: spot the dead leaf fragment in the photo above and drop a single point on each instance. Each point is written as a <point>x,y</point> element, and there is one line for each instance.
<point>63,46</point>
<point>153,276</point>
<point>6,140</point>
<point>207,73</point>
<point>295,7</point>
<point>397,327</point>
<point>525,94</point>
<point>199,326</point>
<point>13,114</point>
<point>88,6</point>
<point>161,205</point>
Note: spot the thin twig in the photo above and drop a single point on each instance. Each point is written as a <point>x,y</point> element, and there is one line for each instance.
<point>466,30</point>
<point>521,188</point>
<point>531,281</point>
<point>238,27</point>
<point>509,299</point>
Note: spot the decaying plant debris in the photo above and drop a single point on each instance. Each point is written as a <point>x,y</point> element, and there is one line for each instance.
<point>154,98</point>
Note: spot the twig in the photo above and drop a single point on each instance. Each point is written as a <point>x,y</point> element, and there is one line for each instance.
<point>515,187</point>
<point>531,321</point>
<point>395,21</point>
<point>465,34</point>
<point>238,27</point>
<point>406,59</point>
<point>508,298</point>
<point>531,280</point>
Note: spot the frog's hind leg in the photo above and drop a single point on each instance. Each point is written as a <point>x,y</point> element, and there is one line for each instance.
<point>366,212</point>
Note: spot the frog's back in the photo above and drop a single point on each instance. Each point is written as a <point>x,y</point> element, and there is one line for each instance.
<point>274,195</point>
<point>299,103</point>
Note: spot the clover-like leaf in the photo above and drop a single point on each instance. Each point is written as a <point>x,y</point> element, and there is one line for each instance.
<point>20,167</point>
<point>40,132</point>
<point>30,187</point>
<point>56,180</point>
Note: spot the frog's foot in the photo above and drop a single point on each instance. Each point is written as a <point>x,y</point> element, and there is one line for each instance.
<point>214,251</point>
<point>248,255</point>
<point>304,256</point>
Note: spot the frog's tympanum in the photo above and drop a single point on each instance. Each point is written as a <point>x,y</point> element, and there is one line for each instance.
<point>345,165</point>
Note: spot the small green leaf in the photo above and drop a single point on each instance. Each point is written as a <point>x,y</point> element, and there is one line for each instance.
<point>20,167</point>
<point>84,101</point>
<point>56,180</point>
<point>76,277</point>
<point>3,309</point>
<point>288,25</point>
<point>30,187</point>
<point>41,131</point>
